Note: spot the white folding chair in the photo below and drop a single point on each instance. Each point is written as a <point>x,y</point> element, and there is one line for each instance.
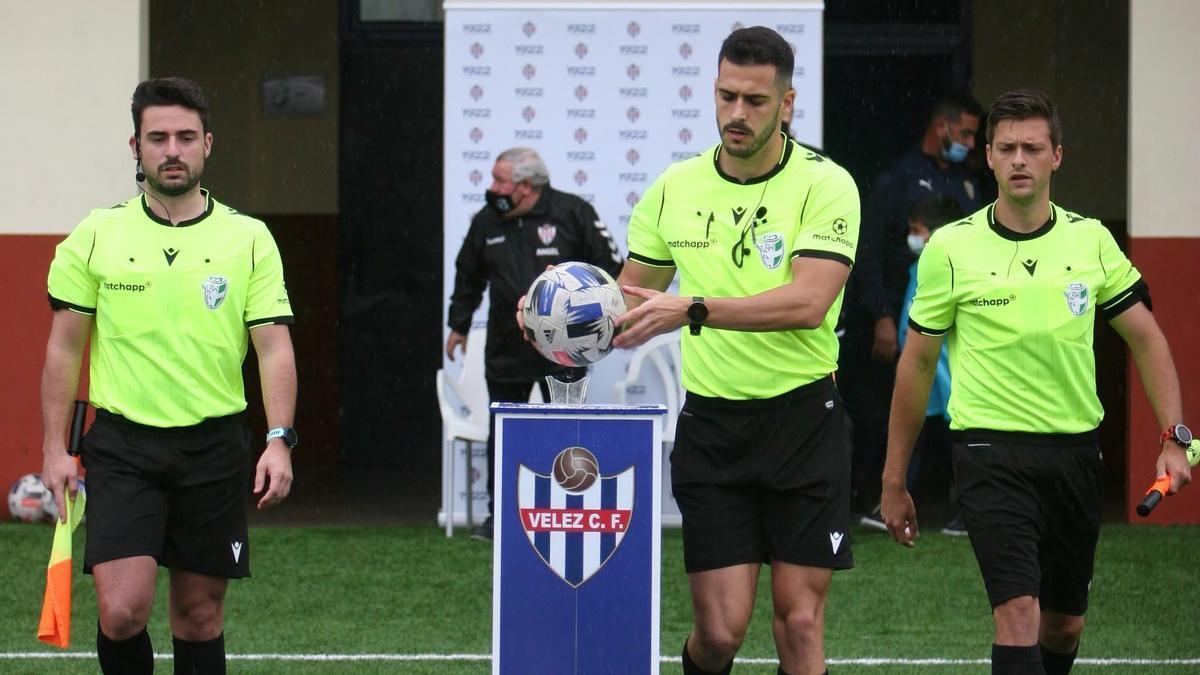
<point>662,353</point>
<point>665,367</point>
<point>468,424</point>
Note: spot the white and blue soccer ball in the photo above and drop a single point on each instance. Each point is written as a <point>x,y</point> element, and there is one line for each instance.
<point>570,313</point>
<point>27,499</point>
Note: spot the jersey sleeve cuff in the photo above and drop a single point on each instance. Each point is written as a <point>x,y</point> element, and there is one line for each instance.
<point>824,255</point>
<point>285,320</point>
<point>924,330</point>
<point>652,262</point>
<point>57,304</point>
<point>1138,292</point>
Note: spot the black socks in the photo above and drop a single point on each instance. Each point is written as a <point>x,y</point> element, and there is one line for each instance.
<point>690,667</point>
<point>134,656</point>
<point>1009,660</point>
<point>200,658</point>
<point>1058,664</point>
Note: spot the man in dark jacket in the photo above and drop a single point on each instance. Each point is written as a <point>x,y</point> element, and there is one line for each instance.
<point>525,226</point>
<point>934,167</point>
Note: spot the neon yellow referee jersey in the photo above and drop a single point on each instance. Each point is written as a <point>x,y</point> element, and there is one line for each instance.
<point>173,305</point>
<point>1018,311</point>
<point>733,239</point>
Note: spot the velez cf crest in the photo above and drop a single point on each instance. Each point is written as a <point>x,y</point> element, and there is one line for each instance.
<point>575,518</point>
<point>215,288</point>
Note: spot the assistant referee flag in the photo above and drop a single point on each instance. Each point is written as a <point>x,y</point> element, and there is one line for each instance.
<point>55,625</point>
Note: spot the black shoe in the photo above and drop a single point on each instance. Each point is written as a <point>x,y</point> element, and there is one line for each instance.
<point>483,531</point>
<point>874,520</point>
<point>955,528</point>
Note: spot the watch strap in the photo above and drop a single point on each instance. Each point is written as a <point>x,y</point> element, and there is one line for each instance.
<point>694,325</point>
<point>1172,434</point>
<point>288,434</point>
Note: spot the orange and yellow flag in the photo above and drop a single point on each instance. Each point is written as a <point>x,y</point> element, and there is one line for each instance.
<point>55,625</point>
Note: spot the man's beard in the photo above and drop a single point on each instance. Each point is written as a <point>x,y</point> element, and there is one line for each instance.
<point>177,189</point>
<point>758,142</point>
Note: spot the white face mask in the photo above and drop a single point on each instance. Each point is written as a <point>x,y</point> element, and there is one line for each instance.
<point>916,243</point>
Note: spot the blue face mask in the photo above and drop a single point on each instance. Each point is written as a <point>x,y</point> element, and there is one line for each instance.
<point>956,153</point>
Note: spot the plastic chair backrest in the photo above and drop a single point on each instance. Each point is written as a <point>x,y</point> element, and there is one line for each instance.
<point>662,352</point>
<point>471,388</point>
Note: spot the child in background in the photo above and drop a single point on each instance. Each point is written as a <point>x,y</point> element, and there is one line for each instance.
<point>931,455</point>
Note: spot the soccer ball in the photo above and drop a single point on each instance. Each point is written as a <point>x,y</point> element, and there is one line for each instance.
<point>570,313</point>
<point>51,509</point>
<point>26,499</point>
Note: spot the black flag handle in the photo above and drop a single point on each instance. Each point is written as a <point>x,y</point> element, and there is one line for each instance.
<point>77,419</point>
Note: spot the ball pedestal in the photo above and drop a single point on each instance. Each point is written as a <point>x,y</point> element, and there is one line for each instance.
<point>576,555</point>
<point>567,392</point>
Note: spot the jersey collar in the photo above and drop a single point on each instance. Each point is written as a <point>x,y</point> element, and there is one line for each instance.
<point>1012,235</point>
<point>208,209</point>
<point>787,154</point>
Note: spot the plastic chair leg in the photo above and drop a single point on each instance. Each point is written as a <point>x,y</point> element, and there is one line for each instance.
<point>470,491</point>
<point>448,489</point>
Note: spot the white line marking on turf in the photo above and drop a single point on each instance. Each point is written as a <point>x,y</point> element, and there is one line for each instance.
<point>861,661</point>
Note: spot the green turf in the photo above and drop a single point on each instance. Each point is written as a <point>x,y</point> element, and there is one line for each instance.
<point>408,589</point>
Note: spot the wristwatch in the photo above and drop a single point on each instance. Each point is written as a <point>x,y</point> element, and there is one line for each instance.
<point>1180,434</point>
<point>697,314</point>
<point>288,435</point>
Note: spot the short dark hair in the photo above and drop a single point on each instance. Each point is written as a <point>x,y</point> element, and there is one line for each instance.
<point>760,46</point>
<point>1025,104</point>
<point>934,212</point>
<point>951,107</point>
<point>168,91</point>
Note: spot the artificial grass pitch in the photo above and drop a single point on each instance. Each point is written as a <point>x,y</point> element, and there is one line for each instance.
<point>405,591</point>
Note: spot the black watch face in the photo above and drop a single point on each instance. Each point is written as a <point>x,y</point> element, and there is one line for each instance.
<point>1183,434</point>
<point>698,312</point>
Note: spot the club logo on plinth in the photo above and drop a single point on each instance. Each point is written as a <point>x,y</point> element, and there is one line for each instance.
<point>575,518</point>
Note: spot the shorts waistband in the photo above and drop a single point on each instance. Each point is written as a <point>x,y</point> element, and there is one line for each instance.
<point>1024,437</point>
<point>209,424</point>
<point>812,389</point>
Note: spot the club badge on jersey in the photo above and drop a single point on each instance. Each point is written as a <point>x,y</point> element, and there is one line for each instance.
<point>215,287</point>
<point>1077,298</point>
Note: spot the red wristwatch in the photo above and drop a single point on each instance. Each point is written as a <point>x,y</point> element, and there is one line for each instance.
<point>1178,433</point>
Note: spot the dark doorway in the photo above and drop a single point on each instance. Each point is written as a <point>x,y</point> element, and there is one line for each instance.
<point>390,169</point>
<point>885,65</point>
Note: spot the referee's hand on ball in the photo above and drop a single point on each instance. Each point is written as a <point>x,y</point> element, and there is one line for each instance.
<point>521,320</point>
<point>658,313</point>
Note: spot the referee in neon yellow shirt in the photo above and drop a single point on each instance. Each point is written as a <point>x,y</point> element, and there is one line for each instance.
<point>171,286</point>
<point>762,233</point>
<point>1016,289</point>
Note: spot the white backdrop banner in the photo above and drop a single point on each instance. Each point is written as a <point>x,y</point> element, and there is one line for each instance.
<point>608,93</point>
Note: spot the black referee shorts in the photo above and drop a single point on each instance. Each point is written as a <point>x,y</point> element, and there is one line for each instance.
<point>764,479</point>
<point>178,495</point>
<point>1032,504</point>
